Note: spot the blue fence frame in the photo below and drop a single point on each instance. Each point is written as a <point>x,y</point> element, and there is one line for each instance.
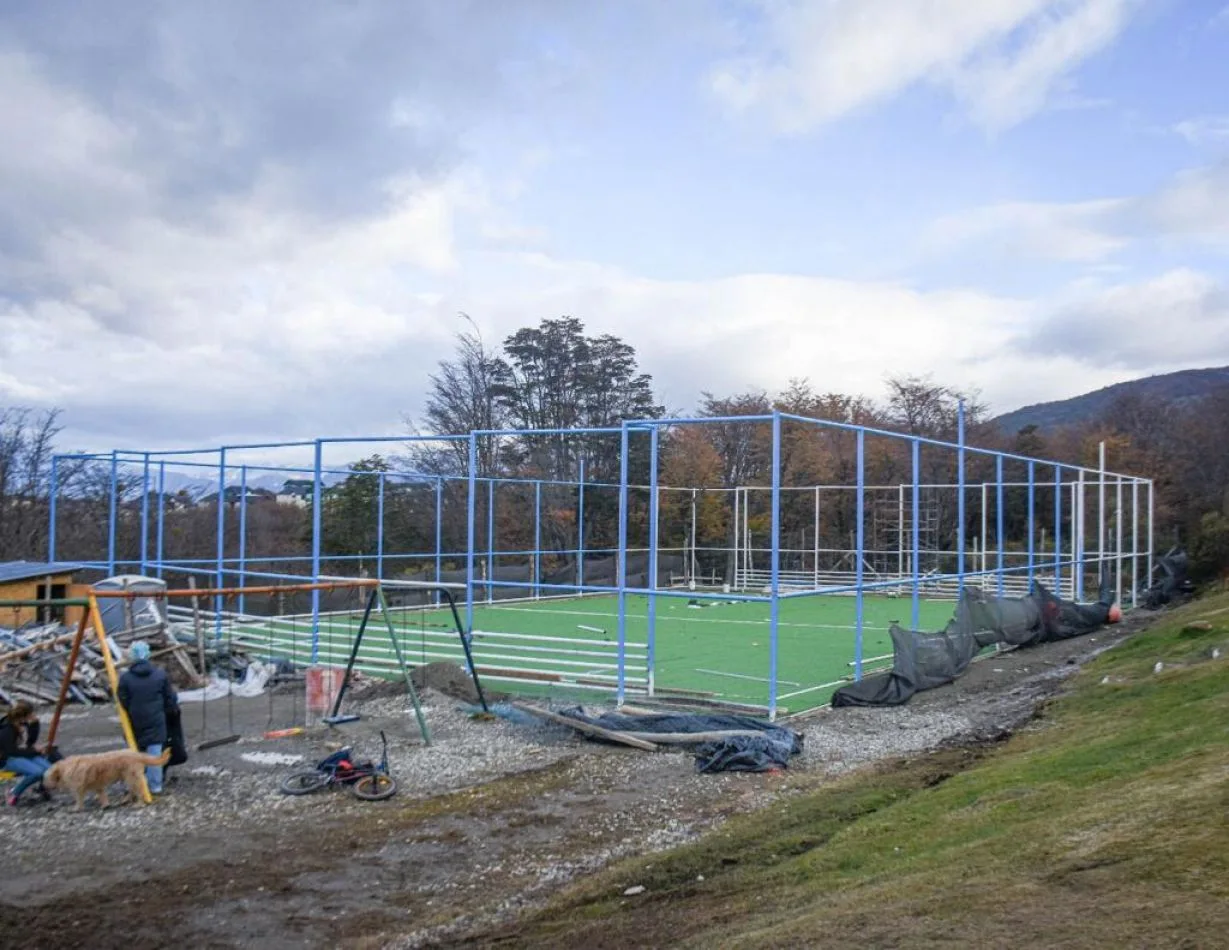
<point>1067,479</point>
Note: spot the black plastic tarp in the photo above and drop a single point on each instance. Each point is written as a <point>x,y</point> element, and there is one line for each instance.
<point>771,749</point>
<point>1172,567</point>
<point>922,661</point>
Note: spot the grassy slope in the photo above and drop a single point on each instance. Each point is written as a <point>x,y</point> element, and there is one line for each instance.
<point>1106,828</point>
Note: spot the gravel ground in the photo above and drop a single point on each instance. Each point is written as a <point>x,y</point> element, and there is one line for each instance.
<point>490,819</point>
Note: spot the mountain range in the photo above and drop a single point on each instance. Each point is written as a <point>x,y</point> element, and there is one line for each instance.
<point>1172,389</point>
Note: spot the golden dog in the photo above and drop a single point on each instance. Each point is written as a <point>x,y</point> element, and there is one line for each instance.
<point>82,774</point>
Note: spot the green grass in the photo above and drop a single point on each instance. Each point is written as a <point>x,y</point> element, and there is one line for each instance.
<point>1105,828</point>
<point>721,649</point>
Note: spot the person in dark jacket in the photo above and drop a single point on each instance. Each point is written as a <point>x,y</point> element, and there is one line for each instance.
<point>146,693</point>
<point>18,733</point>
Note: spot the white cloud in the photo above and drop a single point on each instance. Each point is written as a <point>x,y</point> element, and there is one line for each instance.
<point>1192,207</point>
<point>759,330</point>
<point>1066,232</point>
<point>1204,129</point>
<point>818,61</point>
<point>1177,319</point>
<point>1004,88</point>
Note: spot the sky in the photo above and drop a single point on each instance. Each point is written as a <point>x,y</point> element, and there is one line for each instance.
<point>241,222</point>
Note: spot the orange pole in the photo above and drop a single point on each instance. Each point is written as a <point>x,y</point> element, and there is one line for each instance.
<point>68,678</point>
<point>113,679</point>
<point>214,591</point>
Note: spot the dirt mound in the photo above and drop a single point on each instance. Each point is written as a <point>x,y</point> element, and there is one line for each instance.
<point>451,680</point>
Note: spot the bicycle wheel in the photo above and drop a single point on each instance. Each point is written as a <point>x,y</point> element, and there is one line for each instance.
<point>374,787</point>
<point>304,783</point>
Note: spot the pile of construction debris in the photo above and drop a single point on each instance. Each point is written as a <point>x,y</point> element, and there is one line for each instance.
<point>34,657</point>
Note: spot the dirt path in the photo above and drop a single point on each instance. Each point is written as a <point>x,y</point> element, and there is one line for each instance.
<point>491,819</point>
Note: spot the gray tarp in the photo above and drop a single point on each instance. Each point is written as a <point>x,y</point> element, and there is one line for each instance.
<point>771,749</point>
<point>922,661</point>
<point>1173,581</point>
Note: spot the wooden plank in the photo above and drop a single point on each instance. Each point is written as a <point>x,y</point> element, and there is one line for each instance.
<point>612,736</point>
<point>199,626</point>
<point>35,648</point>
<point>686,738</point>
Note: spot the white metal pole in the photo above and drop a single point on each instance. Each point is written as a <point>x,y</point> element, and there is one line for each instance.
<point>737,530</point>
<point>900,531</point>
<point>1118,541</point>
<point>1079,554</point>
<point>1151,531</point>
<point>1074,533</point>
<point>984,533</point>
<point>1101,534</point>
<point>815,561</point>
<point>747,528</point>
<point>1134,542</point>
<point>693,562</point>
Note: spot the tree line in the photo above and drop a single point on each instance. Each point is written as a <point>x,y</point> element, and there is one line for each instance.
<point>556,376</point>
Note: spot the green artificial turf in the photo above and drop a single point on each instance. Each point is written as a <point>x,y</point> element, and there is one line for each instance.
<point>717,648</point>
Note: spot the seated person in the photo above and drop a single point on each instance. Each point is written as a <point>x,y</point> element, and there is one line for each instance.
<point>18,733</point>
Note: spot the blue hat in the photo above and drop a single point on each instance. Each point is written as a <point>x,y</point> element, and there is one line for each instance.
<point>139,651</point>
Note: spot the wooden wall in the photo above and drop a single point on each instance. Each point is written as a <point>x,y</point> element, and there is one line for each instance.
<point>30,589</point>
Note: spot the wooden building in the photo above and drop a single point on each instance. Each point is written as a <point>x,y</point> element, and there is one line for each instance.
<point>30,580</point>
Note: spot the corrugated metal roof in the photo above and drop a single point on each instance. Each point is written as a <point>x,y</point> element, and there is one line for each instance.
<point>11,571</point>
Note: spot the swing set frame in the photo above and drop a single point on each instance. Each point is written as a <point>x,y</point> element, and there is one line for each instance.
<point>91,618</point>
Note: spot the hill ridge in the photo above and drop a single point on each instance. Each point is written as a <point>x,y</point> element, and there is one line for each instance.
<point>1176,388</point>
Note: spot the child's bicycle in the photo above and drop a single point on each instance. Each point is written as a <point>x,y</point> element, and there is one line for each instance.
<point>366,780</point>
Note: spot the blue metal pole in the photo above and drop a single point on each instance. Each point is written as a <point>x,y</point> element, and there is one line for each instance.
<point>53,492</point>
<point>774,607</point>
<point>471,503</point>
<point>1032,530</point>
<point>537,539</point>
<point>915,615</point>
<point>490,540</point>
<point>145,516</point>
<point>622,572</point>
<point>580,527</point>
<point>219,577</point>
<point>317,529</point>
<point>161,515</point>
<point>243,533</point>
<point>960,498</point>
<point>654,514</point>
<point>380,526</point>
<point>859,555</point>
<point>112,515</point>
<point>1058,530</point>
<point>1000,540</point>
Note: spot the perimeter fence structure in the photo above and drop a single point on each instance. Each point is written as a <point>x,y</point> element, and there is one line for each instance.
<point>752,561</point>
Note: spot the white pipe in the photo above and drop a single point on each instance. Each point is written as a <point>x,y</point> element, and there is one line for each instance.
<point>1134,542</point>
<point>1151,532</point>
<point>1101,535</point>
<point>1118,543</point>
<point>815,554</point>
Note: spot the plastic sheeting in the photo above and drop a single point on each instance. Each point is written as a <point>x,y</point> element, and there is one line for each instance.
<point>255,678</point>
<point>771,749</point>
